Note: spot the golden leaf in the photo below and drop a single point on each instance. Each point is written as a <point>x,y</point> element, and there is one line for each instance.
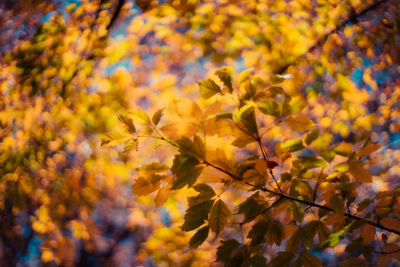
<point>299,123</point>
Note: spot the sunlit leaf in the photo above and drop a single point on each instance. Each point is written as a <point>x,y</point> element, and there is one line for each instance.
<point>209,88</point>
<point>299,123</point>
<point>359,173</point>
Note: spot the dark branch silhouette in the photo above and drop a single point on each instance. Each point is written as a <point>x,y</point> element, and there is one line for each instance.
<point>351,19</point>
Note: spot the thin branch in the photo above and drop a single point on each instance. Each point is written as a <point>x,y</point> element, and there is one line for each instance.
<point>351,19</point>
<point>387,252</point>
<point>116,13</point>
<point>264,189</point>
<point>284,196</point>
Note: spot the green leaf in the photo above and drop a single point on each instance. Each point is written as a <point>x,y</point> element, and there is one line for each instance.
<point>141,117</point>
<point>128,122</point>
<point>157,116</point>
<point>199,237</point>
<point>336,203</point>
<point>311,136</point>
<point>219,216</point>
<point>205,193</point>
<point>292,145</point>
<point>209,88</point>
<point>270,107</point>
<point>225,75</point>
<point>299,123</point>
<point>186,169</point>
<point>196,215</point>
<point>225,250</point>
<point>309,162</point>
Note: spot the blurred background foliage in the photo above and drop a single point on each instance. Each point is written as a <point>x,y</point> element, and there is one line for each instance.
<point>67,68</point>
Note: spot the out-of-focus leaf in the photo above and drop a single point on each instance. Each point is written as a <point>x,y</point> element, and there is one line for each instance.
<point>258,261</point>
<point>152,168</point>
<point>141,117</point>
<point>359,173</point>
<point>351,262</point>
<point>224,251</point>
<point>146,185</point>
<point>179,130</point>
<point>131,145</point>
<point>199,237</point>
<point>368,149</point>
<point>363,204</point>
<point>309,260</point>
<point>336,203</point>
<point>311,136</point>
<point>270,107</point>
<point>309,162</point>
<point>162,196</point>
<point>128,123</point>
<point>299,123</point>
<point>292,145</point>
<point>283,258</point>
<point>343,149</point>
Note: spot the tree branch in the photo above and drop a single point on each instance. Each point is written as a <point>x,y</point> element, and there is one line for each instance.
<point>353,18</point>
<point>284,196</point>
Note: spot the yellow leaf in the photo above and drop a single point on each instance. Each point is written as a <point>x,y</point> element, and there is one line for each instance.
<point>344,149</point>
<point>143,186</point>
<point>370,148</point>
<point>47,255</point>
<point>179,130</point>
<point>79,230</point>
<point>162,196</point>
<point>299,123</point>
<point>359,173</point>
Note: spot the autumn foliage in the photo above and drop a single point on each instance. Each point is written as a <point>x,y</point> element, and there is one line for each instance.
<point>198,133</point>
